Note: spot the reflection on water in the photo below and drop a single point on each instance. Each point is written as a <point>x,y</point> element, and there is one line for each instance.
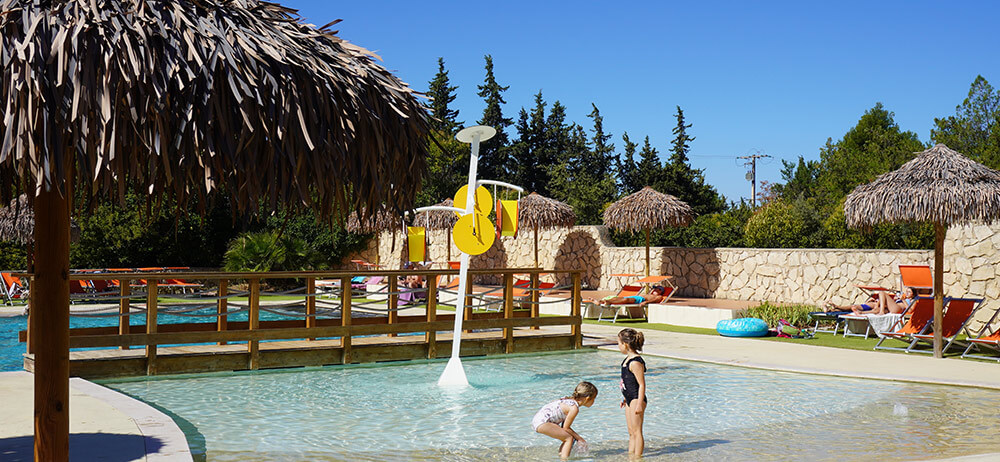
<point>696,412</point>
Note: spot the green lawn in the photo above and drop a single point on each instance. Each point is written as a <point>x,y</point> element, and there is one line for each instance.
<point>820,339</point>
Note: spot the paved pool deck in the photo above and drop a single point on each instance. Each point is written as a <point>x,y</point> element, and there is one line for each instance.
<point>104,425</point>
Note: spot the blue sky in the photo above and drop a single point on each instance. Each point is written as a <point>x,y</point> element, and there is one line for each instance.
<point>777,78</point>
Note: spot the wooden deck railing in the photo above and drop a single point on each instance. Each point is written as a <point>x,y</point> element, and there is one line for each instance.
<point>319,314</point>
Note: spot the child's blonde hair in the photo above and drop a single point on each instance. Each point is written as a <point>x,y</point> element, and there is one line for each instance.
<point>633,338</point>
<point>584,390</point>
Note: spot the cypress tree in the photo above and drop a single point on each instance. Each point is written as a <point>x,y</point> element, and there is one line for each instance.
<point>441,94</point>
<point>494,154</point>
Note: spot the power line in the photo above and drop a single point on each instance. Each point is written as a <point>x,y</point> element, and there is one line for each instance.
<point>751,160</point>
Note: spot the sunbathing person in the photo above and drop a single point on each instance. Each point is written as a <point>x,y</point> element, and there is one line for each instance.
<point>884,303</point>
<point>655,295</point>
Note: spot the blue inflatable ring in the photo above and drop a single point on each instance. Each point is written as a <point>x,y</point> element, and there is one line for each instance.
<point>742,327</point>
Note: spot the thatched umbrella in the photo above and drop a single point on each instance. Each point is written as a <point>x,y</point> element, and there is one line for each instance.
<point>539,212</point>
<point>183,100</point>
<point>363,222</point>
<point>17,223</point>
<point>646,210</point>
<point>940,186</point>
<point>439,219</point>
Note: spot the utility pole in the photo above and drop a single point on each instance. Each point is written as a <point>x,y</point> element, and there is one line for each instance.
<point>751,160</point>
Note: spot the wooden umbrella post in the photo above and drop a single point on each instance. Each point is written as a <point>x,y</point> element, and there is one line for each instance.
<point>50,313</point>
<point>536,246</point>
<point>647,252</point>
<point>939,232</point>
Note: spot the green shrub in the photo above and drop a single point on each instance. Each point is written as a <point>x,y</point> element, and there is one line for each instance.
<point>13,256</point>
<point>797,315</point>
<point>776,226</point>
<point>267,251</point>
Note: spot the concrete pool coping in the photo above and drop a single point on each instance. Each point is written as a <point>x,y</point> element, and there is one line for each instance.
<point>104,424</point>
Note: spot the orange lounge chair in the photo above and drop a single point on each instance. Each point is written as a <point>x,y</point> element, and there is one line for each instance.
<point>921,313</point>
<point>12,288</point>
<point>628,290</point>
<point>988,338</point>
<point>666,281</point>
<point>957,313</point>
<point>918,278</point>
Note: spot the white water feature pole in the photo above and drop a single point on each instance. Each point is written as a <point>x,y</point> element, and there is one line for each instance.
<point>454,373</point>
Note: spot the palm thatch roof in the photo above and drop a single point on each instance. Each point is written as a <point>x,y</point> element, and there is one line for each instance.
<point>939,186</point>
<point>194,97</point>
<point>17,222</point>
<point>539,212</point>
<point>364,222</point>
<point>647,209</point>
<point>437,219</point>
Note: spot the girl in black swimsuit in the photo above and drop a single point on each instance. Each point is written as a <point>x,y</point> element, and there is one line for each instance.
<point>633,386</point>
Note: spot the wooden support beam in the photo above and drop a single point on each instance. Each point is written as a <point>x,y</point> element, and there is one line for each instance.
<point>151,293</point>
<point>253,346</point>
<point>468,301</point>
<point>124,307</point>
<point>30,328</point>
<point>508,310</point>
<point>535,296</point>
<point>392,302</point>
<point>575,311</point>
<point>311,303</point>
<point>345,319</point>
<point>431,335</point>
<point>51,316</point>
<point>222,307</point>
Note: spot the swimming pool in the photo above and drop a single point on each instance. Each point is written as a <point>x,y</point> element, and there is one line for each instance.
<point>696,412</point>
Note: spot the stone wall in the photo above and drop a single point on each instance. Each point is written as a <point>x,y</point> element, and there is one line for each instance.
<point>808,276</point>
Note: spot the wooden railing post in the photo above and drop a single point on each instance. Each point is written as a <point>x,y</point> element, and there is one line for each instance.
<point>468,301</point>
<point>575,311</point>
<point>222,307</point>
<point>345,319</point>
<point>311,304</point>
<point>254,345</point>
<point>535,297</point>
<point>431,336</point>
<point>30,328</point>
<point>151,293</point>
<point>124,307</point>
<point>508,310</point>
<point>392,303</point>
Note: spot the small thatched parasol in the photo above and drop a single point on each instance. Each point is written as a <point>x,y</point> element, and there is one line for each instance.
<point>646,210</point>
<point>374,223</point>
<point>17,223</point>
<point>940,186</point>
<point>439,219</point>
<point>539,212</point>
<point>185,100</point>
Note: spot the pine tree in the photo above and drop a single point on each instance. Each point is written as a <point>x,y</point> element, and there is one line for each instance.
<point>628,171</point>
<point>494,154</point>
<point>649,172</point>
<point>441,94</point>
<point>529,155</point>
<point>585,178</point>
<point>687,183</point>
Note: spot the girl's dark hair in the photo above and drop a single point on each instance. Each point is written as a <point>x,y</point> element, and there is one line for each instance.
<point>584,390</point>
<point>632,338</point>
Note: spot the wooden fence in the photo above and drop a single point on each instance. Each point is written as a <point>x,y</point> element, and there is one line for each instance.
<point>326,321</point>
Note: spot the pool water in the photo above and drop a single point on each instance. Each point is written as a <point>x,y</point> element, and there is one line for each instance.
<point>696,412</point>
<point>12,351</point>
